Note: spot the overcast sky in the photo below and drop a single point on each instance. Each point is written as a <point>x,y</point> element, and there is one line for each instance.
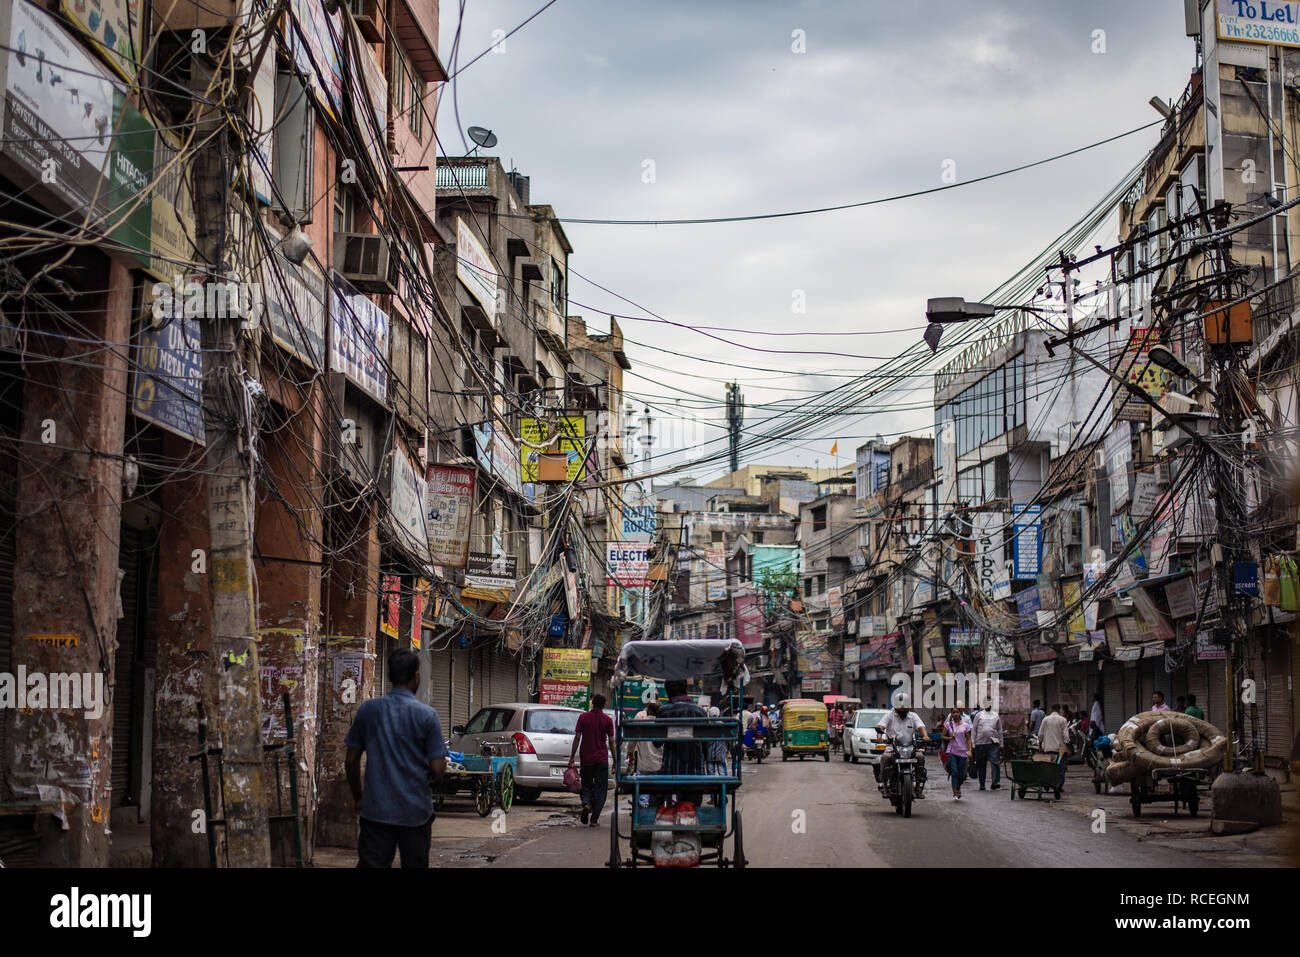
<point>736,122</point>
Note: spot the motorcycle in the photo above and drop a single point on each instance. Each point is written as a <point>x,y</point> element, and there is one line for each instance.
<point>905,778</point>
<point>756,746</point>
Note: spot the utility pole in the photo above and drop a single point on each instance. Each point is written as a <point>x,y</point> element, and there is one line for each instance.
<point>735,416</point>
<point>228,463</point>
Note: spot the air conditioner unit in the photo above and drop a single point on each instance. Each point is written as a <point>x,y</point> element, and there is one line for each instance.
<point>363,259</point>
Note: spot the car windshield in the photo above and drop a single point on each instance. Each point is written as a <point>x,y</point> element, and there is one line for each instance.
<point>869,719</point>
<point>546,721</point>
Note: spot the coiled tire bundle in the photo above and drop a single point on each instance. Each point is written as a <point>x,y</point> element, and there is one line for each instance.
<point>1155,740</point>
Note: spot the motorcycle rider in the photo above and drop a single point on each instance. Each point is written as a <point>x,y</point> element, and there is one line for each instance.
<point>902,724</point>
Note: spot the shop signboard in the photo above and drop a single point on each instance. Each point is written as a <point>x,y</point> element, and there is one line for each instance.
<point>627,564</point>
<point>359,347</point>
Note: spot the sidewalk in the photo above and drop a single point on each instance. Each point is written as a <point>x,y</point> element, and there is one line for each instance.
<point>1160,827</point>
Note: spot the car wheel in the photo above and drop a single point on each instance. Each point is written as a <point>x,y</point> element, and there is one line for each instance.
<point>527,795</point>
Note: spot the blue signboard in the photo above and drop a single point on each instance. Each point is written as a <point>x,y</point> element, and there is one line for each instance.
<point>169,378</point>
<point>557,625</point>
<point>1028,543</point>
<point>1245,577</point>
<point>1028,604</point>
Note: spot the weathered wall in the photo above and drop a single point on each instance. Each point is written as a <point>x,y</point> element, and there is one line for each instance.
<point>66,581</point>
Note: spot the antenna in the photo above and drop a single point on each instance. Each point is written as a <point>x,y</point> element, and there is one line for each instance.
<point>482,137</point>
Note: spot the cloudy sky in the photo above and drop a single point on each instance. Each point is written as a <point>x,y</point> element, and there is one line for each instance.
<point>711,101</point>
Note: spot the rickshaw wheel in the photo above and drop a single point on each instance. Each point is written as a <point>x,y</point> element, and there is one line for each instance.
<point>784,756</point>
<point>483,796</point>
<point>827,756</point>
<point>506,787</point>
<point>1137,804</point>
<point>613,840</point>
<point>738,844</point>
<point>1022,792</point>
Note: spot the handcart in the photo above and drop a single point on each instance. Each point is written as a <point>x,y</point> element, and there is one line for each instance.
<point>714,823</point>
<point>1183,786</point>
<point>490,778</point>
<point>1038,776</point>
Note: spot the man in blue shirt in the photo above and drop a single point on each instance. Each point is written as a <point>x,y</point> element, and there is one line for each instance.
<point>402,740</point>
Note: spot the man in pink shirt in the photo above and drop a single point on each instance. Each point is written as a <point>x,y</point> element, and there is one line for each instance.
<point>1158,701</point>
<point>956,739</point>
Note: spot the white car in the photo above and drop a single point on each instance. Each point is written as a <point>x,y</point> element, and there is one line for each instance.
<point>861,743</point>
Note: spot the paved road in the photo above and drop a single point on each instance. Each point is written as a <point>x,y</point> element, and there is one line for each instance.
<point>818,814</point>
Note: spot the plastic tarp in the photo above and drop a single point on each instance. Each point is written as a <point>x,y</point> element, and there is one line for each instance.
<point>680,660</point>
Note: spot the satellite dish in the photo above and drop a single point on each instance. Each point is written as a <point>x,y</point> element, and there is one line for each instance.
<point>483,137</point>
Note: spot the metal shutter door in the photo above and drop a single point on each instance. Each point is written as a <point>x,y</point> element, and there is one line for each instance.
<point>1277,697</point>
<point>383,648</point>
<point>440,675</point>
<point>1198,683</point>
<point>1113,696</point>
<point>124,666</point>
<point>1128,700</point>
<point>503,685</point>
<point>460,686</point>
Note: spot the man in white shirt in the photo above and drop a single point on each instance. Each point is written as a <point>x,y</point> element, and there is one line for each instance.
<point>1095,725</point>
<point>988,743</point>
<point>901,724</point>
<point>1052,737</point>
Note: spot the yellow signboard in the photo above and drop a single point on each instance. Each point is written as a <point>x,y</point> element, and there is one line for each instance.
<point>570,665</point>
<point>535,432</point>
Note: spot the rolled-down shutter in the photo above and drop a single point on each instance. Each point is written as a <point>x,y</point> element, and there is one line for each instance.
<point>460,686</point>
<point>1116,713</point>
<point>383,648</point>
<point>124,667</point>
<point>1198,684</point>
<point>1277,698</point>
<point>1128,699</point>
<point>503,686</point>
<point>440,677</point>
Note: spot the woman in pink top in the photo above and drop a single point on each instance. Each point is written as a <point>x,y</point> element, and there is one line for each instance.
<point>956,738</point>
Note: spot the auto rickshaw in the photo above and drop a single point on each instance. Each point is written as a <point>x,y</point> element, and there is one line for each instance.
<point>804,729</point>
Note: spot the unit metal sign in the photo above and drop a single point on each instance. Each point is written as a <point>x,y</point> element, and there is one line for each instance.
<point>295,306</point>
<point>407,492</point>
<point>627,564</point>
<point>475,269</point>
<point>359,348</point>
<point>491,571</point>
<point>1259,21</point>
<point>169,378</point>
<point>1028,544</point>
<point>68,125</point>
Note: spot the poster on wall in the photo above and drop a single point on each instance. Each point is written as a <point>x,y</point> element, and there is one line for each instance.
<point>449,506</point>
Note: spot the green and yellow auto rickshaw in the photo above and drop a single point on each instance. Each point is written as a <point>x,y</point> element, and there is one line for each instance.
<point>804,730</point>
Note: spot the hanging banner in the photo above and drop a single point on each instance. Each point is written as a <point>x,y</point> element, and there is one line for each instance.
<point>716,562</point>
<point>391,608</point>
<point>406,509</point>
<point>449,506</point>
<point>748,610</point>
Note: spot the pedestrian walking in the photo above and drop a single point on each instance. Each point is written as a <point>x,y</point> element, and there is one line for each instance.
<point>646,757</point>
<point>1158,701</point>
<point>1193,709</point>
<point>1053,737</point>
<point>956,733</point>
<point>593,743</point>
<point>1098,726</point>
<point>1036,717</point>
<point>403,744</point>
<point>987,736</point>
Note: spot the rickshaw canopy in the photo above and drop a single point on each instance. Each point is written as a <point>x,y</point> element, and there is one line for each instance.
<point>804,714</point>
<point>680,660</point>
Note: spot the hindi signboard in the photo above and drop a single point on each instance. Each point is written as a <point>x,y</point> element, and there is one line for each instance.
<point>449,506</point>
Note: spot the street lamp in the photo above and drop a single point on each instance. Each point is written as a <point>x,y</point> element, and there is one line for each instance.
<point>1162,357</point>
<point>951,309</point>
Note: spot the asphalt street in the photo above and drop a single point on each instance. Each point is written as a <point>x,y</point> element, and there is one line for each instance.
<point>817,814</point>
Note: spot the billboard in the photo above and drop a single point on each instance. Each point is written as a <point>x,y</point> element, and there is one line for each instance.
<point>748,610</point>
<point>475,269</point>
<point>573,428</point>
<point>1259,21</point>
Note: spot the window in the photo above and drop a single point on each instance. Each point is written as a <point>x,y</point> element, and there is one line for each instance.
<point>346,206</point>
<point>758,538</point>
<point>716,536</point>
<point>988,408</point>
<point>819,518</point>
<point>545,721</point>
<point>821,584</point>
<point>407,91</point>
